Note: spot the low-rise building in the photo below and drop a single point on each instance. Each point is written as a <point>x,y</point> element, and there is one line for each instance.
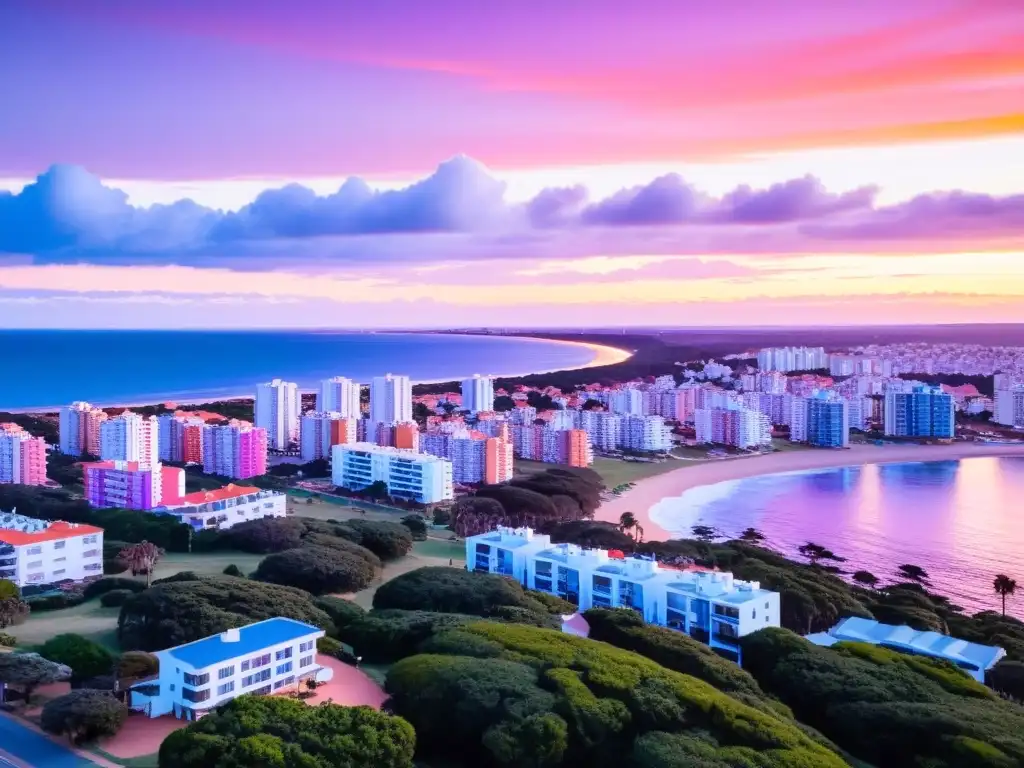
<point>272,656</point>
<point>408,475</point>
<point>131,484</point>
<point>37,552</point>
<point>224,507</point>
<point>710,606</point>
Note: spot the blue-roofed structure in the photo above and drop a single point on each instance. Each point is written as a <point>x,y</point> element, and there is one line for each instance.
<point>272,656</point>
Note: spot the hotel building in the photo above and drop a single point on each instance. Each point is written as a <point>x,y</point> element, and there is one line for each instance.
<point>181,438</point>
<point>272,656</point>
<point>407,475</point>
<point>478,393</point>
<point>390,399</point>
<point>277,411</point>
<point>35,552</point>
<point>237,450</point>
<point>224,507</point>
<point>339,395</point>
<point>22,456</point>
<point>131,484</point>
<point>320,430</point>
<point>80,429</point>
<point>922,412</point>
<point>130,437</point>
<point>710,606</point>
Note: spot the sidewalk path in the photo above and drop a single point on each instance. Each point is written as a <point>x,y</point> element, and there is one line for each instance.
<point>28,749</point>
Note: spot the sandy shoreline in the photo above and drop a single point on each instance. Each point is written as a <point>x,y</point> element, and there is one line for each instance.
<point>603,355</point>
<point>650,491</point>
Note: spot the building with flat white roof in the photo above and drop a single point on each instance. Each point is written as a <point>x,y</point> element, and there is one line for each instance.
<point>408,475</point>
<point>277,411</point>
<point>271,656</point>
<point>37,552</point>
<point>340,395</point>
<point>224,507</point>
<point>975,659</point>
<point>710,606</point>
<point>390,399</point>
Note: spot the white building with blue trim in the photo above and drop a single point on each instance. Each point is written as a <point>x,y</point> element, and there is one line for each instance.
<point>271,656</point>
<point>710,606</point>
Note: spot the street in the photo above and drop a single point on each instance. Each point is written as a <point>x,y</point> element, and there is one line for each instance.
<point>29,749</point>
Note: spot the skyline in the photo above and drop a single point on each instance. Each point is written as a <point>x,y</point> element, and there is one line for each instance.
<point>233,167</point>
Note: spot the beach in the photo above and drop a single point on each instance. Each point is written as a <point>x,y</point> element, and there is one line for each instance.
<point>648,492</point>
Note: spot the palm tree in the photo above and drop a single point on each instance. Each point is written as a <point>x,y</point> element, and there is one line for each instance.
<point>1004,587</point>
<point>141,558</point>
<point>627,522</point>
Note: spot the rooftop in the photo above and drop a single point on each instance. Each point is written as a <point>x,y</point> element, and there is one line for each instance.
<point>200,654</point>
<point>229,491</point>
<point>124,466</point>
<point>18,530</point>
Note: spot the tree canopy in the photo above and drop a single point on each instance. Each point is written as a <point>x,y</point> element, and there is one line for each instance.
<point>318,570</point>
<point>30,670</point>
<point>386,540</point>
<point>84,715</point>
<point>85,657</point>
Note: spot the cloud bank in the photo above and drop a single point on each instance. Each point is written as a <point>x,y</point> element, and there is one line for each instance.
<point>68,215</point>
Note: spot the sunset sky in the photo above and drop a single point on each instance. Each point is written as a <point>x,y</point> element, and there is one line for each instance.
<point>317,163</point>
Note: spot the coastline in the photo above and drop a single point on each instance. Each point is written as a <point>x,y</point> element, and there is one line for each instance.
<point>603,355</point>
<point>650,491</point>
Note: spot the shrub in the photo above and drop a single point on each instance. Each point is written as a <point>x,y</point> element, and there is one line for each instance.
<point>114,566</point>
<point>56,602</point>
<point>135,664</point>
<point>318,570</point>
<point>234,570</point>
<point>84,715</point>
<point>115,598</point>
<point>417,526</point>
<point>342,612</point>
<point>388,541</point>
<point>108,583</point>
<point>270,534</point>
<point>383,636</point>
<point>85,657</point>
<point>8,641</point>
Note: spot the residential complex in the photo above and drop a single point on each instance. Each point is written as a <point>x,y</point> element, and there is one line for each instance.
<point>271,656</point>
<point>710,606</point>
<point>80,429</point>
<point>132,484</point>
<point>821,420</point>
<point>539,442</point>
<point>923,412</point>
<point>390,399</point>
<point>646,434</point>
<point>339,395</point>
<point>224,507</point>
<point>320,430</point>
<point>475,457</point>
<point>36,552</point>
<point>786,359</point>
<point>130,437</point>
<point>734,426</point>
<point>22,456</point>
<point>478,393</point>
<point>408,475</point>
<point>277,409</point>
<point>237,450</point>
<point>181,438</point>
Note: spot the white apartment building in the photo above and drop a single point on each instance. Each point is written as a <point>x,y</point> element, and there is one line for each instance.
<point>712,607</point>
<point>80,429</point>
<point>604,429</point>
<point>277,410</point>
<point>272,656</point>
<point>478,393</point>
<point>390,399</point>
<point>408,475</point>
<point>736,426</point>
<point>225,507</point>
<point>646,433</point>
<point>130,437</point>
<point>627,401</point>
<point>1003,398</point>
<point>786,359</point>
<point>37,552</point>
<point>1018,407</point>
<point>339,395</point>
<point>322,429</point>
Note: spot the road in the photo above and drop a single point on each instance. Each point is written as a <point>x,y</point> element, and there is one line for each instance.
<point>28,749</point>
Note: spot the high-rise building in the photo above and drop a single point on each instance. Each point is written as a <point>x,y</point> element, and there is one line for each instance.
<point>736,426</point>
<point>80,429</point>
<point>181,438</point>
<point>237,450</point>
<point>828,420</point>
<point>604,429</point>
<point>132,484</point>
<point>277,411</point>
<point>646,433</point>
<point>1018,407</point>
<point>475,457</point>
<point>130,437</point>
<point>22,456</point>
<point>628,401</point>
<point>322,430</point>
<point>390,399</point>
<point>407,475</point>
<point>786,359</point>
<point>1002,400</point>
<point>478,393</point>
<point>339,395</point>
<point>922,412</point>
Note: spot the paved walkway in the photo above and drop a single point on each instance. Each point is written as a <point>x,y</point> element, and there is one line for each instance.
<point>25,748</point>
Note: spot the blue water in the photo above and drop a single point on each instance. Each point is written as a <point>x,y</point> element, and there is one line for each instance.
<point>48,368</point>
<point>962,521</point>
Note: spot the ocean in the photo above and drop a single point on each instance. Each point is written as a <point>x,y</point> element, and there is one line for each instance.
<point>959,520</point>
<point>41,369</point>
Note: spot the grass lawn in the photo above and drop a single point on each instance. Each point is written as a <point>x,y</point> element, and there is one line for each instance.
<point>424,553</point>
<point>613,471</point>
<point>318,509</point>
<point>145,761</point>
<point>89,619</point>
<point>203,563</point>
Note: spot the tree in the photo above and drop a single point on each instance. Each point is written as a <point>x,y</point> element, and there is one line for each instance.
<point>84,715</point>
<point>85,657</point>
<point>815,553</point>
<point>914,573</point>
<point>417,526</point>
<point>476,514</point>
<point>268,731</point>
<point>132,665</point>
<point>1004,586</point>
<point>592,534</point>
<point>13,610</point>
<point>627,522</point>
<point>752,536</point>
<point>504,403</point>
<point>592,405</point>
<point>865,579</point>
<point>30,670</point>
<point>378,489</point>
<point>705,533</point>
<point>318,570</point>
<point>234,570</point>
<point>141,558</point>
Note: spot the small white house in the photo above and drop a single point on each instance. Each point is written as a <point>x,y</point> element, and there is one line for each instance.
<point>38,552</point>
<point>271,656</point>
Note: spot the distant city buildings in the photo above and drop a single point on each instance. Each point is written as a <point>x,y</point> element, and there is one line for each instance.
<point>539,442</point>
<point>22,456</point>
<point>825,422</point>
<point>180,438</point>
<point>786,359</point>
<point>237,450</point>
<point>478,393</point>
<point>131,484</point>
<point>339,395</point>
<point>407,475</point>
<point>925,412</point>
<point>80,429</point>
<point>647,434</point>
<point>130,437</point>
<point>277,410</point>
<point>38,552</point>
<point>734,426</point>
<point>475,457</point>
<point>321,430</point>
<point>390,399</point>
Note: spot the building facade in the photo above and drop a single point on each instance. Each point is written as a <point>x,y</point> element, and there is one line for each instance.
<point>272,656</point>
<point>734,426</point>
<point>181,438</point>
<point>224,507</point>
<point>646,434</point>
<point>339,395</point>
<point>237,450</point>
<point>22,456</point>
<point>712,607</point>
<point>130,437</point>
<point>80,429</point>
<point>390,399</point>
<point>827,421</point>
<point>411,476</point>
<point>786,359</point>
<point>277,411</point>
<point>478,393</point>
<point>924,411</point>
<point>321,430</point>
<point>131,484</point>
<point>37,552</point>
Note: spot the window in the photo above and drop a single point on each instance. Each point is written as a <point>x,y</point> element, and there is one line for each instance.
<point>189,695</point>
<point>92,567</point>
<point>262,691</point>
<point>260,661</point>
<point>279,684</point>
<point>305,661</point>
<point>91,553</point>
<point>35,577</point>
<point>226,688</point>
<point>245,665</point>
<point>59,559</point>
<point>284,653</point>
<point>226,672</point>
<point>307,646</point>
<point>197,680</point>
<point>59,544</point>
<point>259,677</point>
<point>34,550</point>
<point>59,573</point>
<point>36,564</point>
<point>283,669</point>
<point>89,539</point>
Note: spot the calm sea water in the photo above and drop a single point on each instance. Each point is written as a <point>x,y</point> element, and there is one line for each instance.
<point>962,521</point>
<point>46,368</point>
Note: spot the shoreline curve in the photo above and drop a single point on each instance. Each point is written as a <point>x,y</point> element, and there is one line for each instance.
<point>651,491</point>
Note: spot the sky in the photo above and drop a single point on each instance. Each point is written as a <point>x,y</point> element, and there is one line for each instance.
<point>310,163</point>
